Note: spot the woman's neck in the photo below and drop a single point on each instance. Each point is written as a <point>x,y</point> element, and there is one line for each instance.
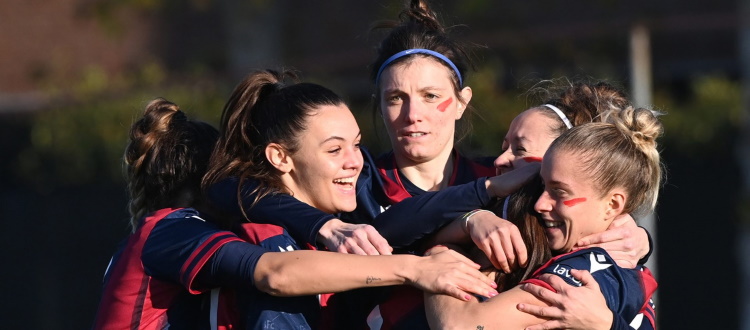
<point>431,175</point>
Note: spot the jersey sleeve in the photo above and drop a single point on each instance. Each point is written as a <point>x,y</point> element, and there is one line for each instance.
<point>180,245</point>
<point>301,220</point>
<point>233,265</point>
<point>413,218</point>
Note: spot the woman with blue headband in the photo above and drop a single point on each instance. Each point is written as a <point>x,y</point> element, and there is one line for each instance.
<point>420,77</point>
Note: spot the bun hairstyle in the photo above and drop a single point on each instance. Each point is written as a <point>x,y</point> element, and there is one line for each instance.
<point>583,103</point>
<point>266,107</point>
<point>620,151</point>
<point>165,159</point>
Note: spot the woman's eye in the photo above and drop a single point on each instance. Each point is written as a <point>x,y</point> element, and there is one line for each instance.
<point>334,151</point>
<point>394,99</point>
<point>432,97</point>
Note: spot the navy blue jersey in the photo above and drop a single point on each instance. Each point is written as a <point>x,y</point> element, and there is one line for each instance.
<point>627,291</point>
<point>249,308</point>
<point>379,186</point>
<point>150,281</point>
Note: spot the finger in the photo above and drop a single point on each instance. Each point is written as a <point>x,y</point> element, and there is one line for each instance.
<point>607,236</point>
<point>476,283</point>
<point>623,220</point>
<point>541,312</point>
<point>462,258</point>
<point>487,249</point>
<point>378,241</point>
<point>509,250</point>
<point>556,283</point>
<point>520,247</point>
<point>499,257</point>
<point>542,294</point>
<point>352,247</point>
<point>455,292</point>
<point>341,249</point>
<point>586,278</point>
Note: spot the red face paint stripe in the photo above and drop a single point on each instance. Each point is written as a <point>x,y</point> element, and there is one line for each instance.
<point>444,105</point>
<point>533,159</point>
<point>574,201</point>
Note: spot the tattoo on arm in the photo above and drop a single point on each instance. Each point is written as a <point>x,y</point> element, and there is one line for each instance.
<point>371,279</point>
<point>480,327</point>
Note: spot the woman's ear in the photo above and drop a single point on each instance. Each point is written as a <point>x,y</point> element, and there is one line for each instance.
<point>616,203</point>
<point>278,157</point>
<point>466,95</point>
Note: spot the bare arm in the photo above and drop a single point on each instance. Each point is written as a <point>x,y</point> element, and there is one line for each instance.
<point>310,272</point>
<point>445,312</point>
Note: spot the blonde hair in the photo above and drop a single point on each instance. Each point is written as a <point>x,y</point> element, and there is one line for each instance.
<point>620,151</point>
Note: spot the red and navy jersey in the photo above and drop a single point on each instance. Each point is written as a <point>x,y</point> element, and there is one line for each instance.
<point>402,307</point>
<point>149,283</point>
<point>628,292</point>
<point>253,309</point>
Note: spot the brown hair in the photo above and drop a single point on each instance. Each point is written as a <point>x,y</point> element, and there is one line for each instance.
<point>521,213</point>
<point>419,27</point>
<point>583,103</point>
<point>620,151</point>
<point>165,159</point>
<point>263,109</point>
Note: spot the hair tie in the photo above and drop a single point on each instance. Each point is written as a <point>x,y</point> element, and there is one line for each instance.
<point>560,114</point>
<point>419,51</point>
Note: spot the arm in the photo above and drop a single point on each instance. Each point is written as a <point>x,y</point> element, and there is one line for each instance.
<point>303,222</point>
<point>499,239</point>
<point>431,211</point>
<point>499,312</point>
<point>305,272</point>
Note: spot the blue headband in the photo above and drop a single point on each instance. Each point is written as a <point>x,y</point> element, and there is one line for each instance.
<point>419,51</point>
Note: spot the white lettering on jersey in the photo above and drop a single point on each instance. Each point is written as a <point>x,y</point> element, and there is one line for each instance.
<point>565,272</point>
<point>597,262</point>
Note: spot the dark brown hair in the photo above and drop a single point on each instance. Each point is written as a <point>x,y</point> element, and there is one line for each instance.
<point>521,213</point>
<point>584,102</point>
<point>165,159</point>
<point>263,109</point>
<point>418,27</point>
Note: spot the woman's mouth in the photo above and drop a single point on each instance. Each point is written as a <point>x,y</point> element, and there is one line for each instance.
<point>345,183</point>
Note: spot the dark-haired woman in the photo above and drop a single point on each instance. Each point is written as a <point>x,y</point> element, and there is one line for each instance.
<point>301,140</point>
<point>173,254</point>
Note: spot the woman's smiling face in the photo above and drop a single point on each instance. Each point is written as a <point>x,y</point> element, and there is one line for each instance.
<point>528,138</point>
<point>571,206</point>
<point>324,170</point>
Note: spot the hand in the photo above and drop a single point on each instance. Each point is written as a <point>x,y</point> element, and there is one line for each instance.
<point>353,238</point>
<point>505,184</point>
<point>571,307</point>
<point>447,271</point>
<point>625,242</point>
<point>499,239</point>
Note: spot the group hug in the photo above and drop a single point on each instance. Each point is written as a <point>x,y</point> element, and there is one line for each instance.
<point>282,219</point>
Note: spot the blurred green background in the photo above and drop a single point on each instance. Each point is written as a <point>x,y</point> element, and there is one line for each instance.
<point>74,74</point>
